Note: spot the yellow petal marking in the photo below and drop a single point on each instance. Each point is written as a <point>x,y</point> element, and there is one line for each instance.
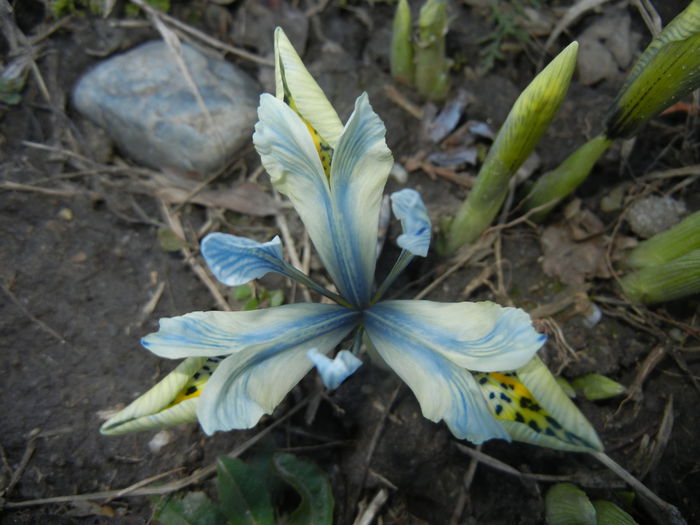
<point>509,399</point>
<point>193,388</point>
<point>325,151</point>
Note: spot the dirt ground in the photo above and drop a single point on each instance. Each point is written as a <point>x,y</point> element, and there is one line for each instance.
<point>81,263</point>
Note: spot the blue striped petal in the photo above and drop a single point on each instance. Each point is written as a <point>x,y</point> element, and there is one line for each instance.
<point>431,346</point>
<point>341,213</point>
<point>334,371</point>
<point>360,168</point>
<point>483,336</point>
<point>211,334</point>
<point>409,209</point>
<point>266,355</point>
<point>236,260</point>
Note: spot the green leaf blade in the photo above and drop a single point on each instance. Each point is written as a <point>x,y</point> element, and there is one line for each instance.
<point>244,497</point>
<point>316,507</point>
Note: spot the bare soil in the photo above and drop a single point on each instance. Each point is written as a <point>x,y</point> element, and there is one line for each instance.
<point>80,259</point>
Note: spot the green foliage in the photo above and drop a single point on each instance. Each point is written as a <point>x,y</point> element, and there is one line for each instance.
<point>664,282</point>
<point>432,67</point>
<point>520,133</point>
<point>596,387</point>
<point>566,504</point>
<point>162,5</point>
<point>667,246</point>
<point>61,8</point>
<point>506,19</point>
<point>401,53</point>
<point>316,507</point>
<point>244,497</point>
<point>247,495</point>
<point>192,508</point>
<point>255,296</point>
<point>421,63</point>
<point>668,69</point>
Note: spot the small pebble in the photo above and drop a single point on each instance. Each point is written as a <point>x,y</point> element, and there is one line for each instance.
<point>654,214</point>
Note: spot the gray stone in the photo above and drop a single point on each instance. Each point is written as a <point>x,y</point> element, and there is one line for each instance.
<point>143,100</point>
<point>654,214</point>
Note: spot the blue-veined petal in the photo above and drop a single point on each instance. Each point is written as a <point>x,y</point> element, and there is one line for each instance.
<point>444,390</point>
<point>409,209</point>
<point>236,260</point>
<point>342,219</point>
<point>431,345</point>
<point>266,355</point>
<point>334,371</point>
<point>152,410</point>
<point>361,165</point>
<point>211,334</point>
<point>479,336</point>
<point>294,83</point>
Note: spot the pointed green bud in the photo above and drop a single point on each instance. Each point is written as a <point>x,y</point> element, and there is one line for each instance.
<point>401,53</point>
<point>522,130</point>
<point>555,185</point>
<point>664,282</point>
<point>666,246</point>
<point>668,69</point>
<point>596,387</point>
<point>432,67</point>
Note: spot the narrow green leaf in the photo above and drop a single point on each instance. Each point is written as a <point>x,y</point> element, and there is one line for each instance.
<point>316,507</point>
<point>664,282</point>
<point>668,69</point>
<point>566,504</point>
<point>522,130</point>
<point>555,185</point>
<point>244,497</point>
<point>401,53</point>
<point>595,387</point>
<point>607,513</point>
<point>194,508</point>
<point>666,246</point>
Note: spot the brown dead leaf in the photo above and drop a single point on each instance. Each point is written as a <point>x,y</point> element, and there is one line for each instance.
<point>574,250</point>
<point>244,198</point>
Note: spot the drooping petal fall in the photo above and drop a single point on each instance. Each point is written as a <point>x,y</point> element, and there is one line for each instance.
<point>160,406</point>
<point>265,352</point>
<point>431,346</point>
<point>533,408</point>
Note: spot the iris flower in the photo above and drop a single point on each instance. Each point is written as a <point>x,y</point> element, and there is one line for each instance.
<point>240,365</point>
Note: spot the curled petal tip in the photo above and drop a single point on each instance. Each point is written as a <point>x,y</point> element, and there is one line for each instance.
<point>409,208</point>
<point>237,260</point>
<point>334,371</point>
